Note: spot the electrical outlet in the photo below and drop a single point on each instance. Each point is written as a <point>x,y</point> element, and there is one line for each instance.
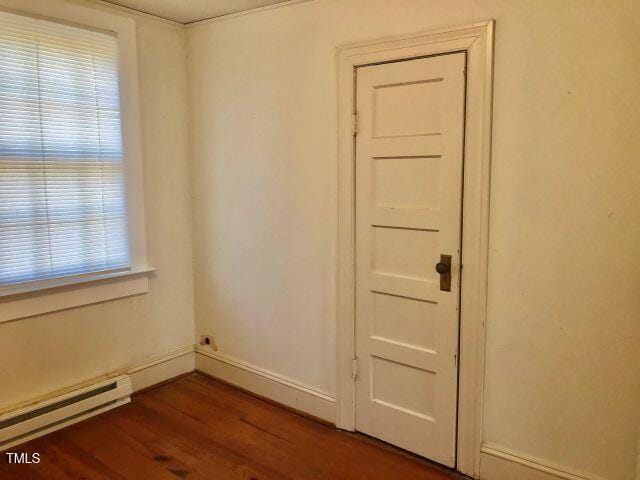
<point>208,341</point>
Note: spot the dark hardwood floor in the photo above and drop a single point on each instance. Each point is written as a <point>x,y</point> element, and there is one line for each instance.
<point>198,428</point>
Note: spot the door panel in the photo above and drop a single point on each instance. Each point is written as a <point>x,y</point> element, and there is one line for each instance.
<point>405,183</point>
<point>408,209</point>
<point>403,320</point>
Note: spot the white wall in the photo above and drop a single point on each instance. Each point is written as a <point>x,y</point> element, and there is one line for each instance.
<point>45,353</point>
<point>562,382</point>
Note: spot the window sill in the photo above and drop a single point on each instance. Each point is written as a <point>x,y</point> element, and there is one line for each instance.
<point>60,294</point>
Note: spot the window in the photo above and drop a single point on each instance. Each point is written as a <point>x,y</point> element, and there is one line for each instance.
<point>62,202</point>
<point>70,160</point>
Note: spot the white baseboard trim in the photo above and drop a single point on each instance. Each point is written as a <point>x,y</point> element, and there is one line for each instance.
<point>499,463</point>
<point>267,384</point>
<point>162,368</point>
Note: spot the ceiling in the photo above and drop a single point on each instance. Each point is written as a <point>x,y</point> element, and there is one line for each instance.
<point>187,11</point>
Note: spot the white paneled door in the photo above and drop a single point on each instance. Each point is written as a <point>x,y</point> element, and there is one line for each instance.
<point>409,152</point>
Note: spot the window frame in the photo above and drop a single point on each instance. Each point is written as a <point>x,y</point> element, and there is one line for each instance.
<point>57,293</point>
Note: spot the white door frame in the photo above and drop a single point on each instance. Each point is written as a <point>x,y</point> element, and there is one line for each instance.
<point>477,41</point>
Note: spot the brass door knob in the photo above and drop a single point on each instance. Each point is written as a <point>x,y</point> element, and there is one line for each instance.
<point>443,268</point>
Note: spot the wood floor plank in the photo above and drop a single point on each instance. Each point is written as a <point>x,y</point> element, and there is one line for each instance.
<point>198,429</point>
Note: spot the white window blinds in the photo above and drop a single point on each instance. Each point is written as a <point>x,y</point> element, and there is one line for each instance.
<point>62,200</point>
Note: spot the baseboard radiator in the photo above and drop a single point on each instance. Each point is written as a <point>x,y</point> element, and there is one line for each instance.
<point>19,426</point>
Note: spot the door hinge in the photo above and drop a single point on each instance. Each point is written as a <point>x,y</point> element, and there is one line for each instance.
<point>354,123</point>
<point>354,368</point>
<point>455,359</point>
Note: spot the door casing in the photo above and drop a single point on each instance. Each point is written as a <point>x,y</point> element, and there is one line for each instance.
<point>477,41</point>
